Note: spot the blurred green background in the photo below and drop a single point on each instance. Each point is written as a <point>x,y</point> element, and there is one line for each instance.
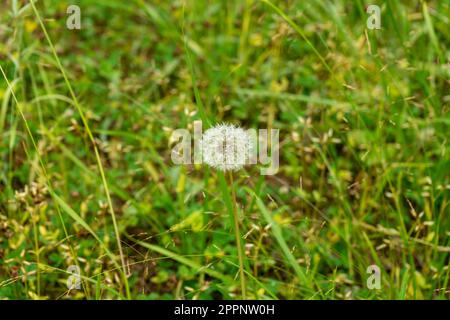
<point>364,163</point>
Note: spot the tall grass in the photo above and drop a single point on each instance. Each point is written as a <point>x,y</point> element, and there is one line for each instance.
<point>86,177</point>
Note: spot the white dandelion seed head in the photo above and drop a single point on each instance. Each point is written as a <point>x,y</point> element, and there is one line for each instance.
<point>226,147</point>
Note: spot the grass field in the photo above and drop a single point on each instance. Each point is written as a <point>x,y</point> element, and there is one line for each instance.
<point>87,180</point>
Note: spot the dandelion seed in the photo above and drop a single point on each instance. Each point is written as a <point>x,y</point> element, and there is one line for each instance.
<point>226,147</point>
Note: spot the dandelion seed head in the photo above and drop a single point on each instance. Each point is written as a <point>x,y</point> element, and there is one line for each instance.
<point>226,147</point>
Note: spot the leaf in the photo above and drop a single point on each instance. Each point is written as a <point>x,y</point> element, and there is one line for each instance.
<point>194,265</point>
<point>81,222</point>
<point>194,221</point>
<point>280,239</point>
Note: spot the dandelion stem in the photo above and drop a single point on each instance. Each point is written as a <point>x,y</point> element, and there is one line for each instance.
<point>238,237</point>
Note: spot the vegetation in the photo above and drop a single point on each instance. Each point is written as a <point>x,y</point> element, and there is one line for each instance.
<point>87,180</point>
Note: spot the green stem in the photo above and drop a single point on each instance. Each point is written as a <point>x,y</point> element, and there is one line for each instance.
<point>238,238</point>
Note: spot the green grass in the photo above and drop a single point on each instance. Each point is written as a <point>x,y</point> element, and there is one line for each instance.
<point>86,176</point>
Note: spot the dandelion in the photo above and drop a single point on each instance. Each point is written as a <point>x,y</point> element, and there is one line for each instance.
<point>226,147</point>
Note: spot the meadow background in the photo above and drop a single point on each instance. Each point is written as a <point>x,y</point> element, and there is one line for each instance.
<point>86,118</point>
